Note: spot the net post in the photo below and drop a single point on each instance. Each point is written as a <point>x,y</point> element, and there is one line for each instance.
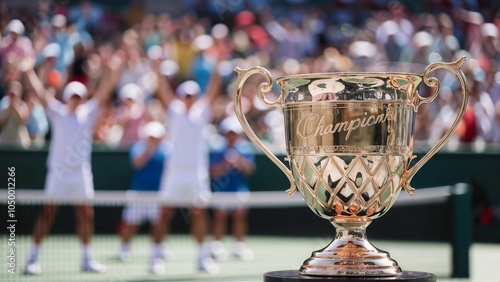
<point>461,200</point>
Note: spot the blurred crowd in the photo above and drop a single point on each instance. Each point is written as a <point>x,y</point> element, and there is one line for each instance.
<point>78,41</point>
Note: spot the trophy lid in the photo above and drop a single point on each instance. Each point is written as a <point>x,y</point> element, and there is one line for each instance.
<point>383,87</point>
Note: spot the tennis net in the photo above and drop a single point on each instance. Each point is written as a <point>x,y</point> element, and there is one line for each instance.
<point>60,252</point>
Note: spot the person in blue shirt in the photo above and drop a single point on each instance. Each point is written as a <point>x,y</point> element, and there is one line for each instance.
<point>37,123</point>
<point>147,157</point>
<point>230,167</point>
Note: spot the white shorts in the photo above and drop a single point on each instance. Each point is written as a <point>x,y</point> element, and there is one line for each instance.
<point>74,184</point>
<point>138,213</point>
<point>184,188</point>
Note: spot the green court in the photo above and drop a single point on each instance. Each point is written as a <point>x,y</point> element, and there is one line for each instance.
<point>60,259</point>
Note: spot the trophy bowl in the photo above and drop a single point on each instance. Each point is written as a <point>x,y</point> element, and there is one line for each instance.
<point>349,145</point>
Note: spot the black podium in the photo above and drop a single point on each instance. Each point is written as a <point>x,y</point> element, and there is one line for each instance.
<point>293,276</point>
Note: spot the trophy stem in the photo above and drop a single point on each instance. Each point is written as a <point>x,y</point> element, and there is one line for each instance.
<point>350,253</point>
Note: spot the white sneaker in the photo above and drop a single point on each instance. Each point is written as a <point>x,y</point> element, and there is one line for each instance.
<point>242,252</point>
<point>208,265</point>
<point>217,251</point>
<point>124,255</point>
<point>32,268</point>
<point>93,266</point>
<point>156,267</point>
<point>245,254</point>
<point>166,254</point>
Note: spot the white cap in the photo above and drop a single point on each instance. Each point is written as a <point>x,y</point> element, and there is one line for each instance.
<point>189,87</point>
<point>230,123</point>
<point>131,91</point>
<point>451,42</point>
<point>219,31</point>
<point>59,20</point>
<point>422,39</point>
<point>155,52</point>
<point>169,68</point>
<point>74,88</point>
<point>153,129</point>
<point>51,50</point>
<point>15,26</point>
<point>363,49</point>
<point>390,27</point>
<point>203,42</point>
<point>489,30</point>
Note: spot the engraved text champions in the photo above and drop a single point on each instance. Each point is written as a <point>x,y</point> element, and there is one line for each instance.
<point>311,124</point>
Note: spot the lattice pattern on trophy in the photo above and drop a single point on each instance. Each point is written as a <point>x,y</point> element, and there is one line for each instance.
<point>348,185</point>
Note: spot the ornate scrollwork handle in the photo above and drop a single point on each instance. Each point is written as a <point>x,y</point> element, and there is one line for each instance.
<point>243,75</point>
<point>418,100</point>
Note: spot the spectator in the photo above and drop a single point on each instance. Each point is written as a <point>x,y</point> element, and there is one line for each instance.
<point>393,40</point>
<point>149,32</point>
<point>14,43</point>
<point>203,64</point>
<point>341,37</point>
<point>147,157</point>
<point>86,15</point>
<point>229,168</point>
<point>12,46</point>
<point>107,131</point>
<point>77,68</point>
<point>60,37</point>
<point>496,124</point>
<point>137,68</point>
<point>37,124</point>
<point>47,68</point>
<point>132,115</point>
<point>13,115</point>
<point>482,104</point>
<point>246,22</point>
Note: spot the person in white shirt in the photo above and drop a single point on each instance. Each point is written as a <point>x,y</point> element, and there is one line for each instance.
<point>187,181</point>
<point>69,171</point>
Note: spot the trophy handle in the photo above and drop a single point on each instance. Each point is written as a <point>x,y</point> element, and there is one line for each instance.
<point>418,100</point>
<point>243,75</point>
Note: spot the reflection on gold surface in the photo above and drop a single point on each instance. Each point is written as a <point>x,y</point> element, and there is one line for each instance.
<point>349,144</point>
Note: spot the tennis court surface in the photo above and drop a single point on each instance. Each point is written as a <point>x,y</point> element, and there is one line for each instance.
<point>60,259</point>
<point>60,252</point>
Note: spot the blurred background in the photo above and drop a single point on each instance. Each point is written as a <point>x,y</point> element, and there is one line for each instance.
<point>192,39</point>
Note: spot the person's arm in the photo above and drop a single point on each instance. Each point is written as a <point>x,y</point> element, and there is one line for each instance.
<point>123,118</point>
<point>244,165</point>
<point>165,93</point>
<point>20,110</point>
<point>109,79</point>
<point>231,160</point>
<point>213,88</point>
<point>220,168</point>
<point>140,160</point>
<point>26,65</point>
<point>4,114</point>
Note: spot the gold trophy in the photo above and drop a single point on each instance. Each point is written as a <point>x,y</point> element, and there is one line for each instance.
<point>349,144</point>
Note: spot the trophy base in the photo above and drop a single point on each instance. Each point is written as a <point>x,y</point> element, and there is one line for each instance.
<point>350,254</point>
<point>294,276</point>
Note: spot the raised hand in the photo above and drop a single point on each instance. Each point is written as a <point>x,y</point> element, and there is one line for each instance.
<point>117,60</point>
<point>26,62</point>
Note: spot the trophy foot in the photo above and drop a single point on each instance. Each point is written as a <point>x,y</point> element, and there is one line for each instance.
<point>350,253</point>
